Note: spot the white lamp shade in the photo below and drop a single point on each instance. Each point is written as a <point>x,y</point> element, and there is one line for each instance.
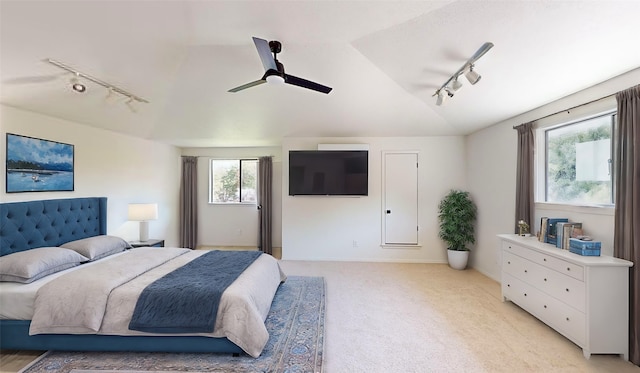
<point>143,211</point>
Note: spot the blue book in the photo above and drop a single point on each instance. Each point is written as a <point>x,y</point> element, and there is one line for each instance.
<point>551,229</point>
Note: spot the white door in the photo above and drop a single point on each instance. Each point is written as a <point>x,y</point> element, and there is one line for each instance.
<point>400,205</point>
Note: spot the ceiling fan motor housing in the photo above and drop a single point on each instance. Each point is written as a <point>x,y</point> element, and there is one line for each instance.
<point>275,46</point>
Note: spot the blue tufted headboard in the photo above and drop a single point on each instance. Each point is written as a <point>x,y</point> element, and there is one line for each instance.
<point>32,224</point>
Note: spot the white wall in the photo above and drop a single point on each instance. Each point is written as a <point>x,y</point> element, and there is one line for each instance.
<point>234,225</point>
<point>107,164</point>
<point>324,228</point>
<point>491,164</point>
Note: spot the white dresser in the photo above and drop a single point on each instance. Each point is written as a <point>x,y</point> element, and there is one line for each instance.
<point>584,298</point>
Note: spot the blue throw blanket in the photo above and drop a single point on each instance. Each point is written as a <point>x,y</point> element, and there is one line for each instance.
<point>187,299</point>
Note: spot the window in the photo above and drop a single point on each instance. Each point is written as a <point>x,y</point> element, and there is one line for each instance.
<point>578,162</point>
<point>232,181</point>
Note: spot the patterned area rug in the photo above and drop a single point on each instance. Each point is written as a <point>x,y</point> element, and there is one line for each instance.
<point>296,337</point>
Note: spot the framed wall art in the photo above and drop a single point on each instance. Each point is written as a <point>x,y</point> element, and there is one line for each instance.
<point>38,165</point>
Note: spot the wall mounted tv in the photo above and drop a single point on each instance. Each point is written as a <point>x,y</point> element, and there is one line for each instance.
<point>328,172</point>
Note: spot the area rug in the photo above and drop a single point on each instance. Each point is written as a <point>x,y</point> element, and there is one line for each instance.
<point>296,338</point>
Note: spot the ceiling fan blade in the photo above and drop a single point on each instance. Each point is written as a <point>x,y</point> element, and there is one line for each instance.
<point>480,52</point>
<point>32,79</point>
<point>290,79</point>
<point>264,51</point>
<point>248,85</point>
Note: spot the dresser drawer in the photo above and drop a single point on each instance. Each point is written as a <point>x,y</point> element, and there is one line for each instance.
<point>564,288</point>
<point>518,292</point>
<point>557,264</point>
<point>517,266</point>
<point>566,320</point>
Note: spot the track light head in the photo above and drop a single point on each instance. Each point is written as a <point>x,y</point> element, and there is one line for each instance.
<point>131,105</point>
<point>472,76</point>
<point>76,85</point>
<point>442,97</point>
<point>456,85</point>
<point>449,91</point>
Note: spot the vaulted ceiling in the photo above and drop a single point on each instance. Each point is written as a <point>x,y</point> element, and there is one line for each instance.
<point>383,59</point>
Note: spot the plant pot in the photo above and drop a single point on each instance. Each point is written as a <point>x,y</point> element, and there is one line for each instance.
<point>457,259</point>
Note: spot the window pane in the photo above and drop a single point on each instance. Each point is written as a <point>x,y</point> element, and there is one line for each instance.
<point>225,179</point>
<point>248,178</point>
<point>579,162</point>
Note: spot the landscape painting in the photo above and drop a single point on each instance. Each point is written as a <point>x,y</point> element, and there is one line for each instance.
<point>37,165</point>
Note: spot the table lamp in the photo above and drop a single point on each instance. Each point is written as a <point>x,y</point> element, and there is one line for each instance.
<point>143,212</point>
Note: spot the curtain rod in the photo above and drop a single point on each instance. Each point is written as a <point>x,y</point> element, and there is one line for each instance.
<point>569,109</point>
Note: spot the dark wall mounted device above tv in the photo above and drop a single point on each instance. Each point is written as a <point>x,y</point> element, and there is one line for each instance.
<point>328,172</point>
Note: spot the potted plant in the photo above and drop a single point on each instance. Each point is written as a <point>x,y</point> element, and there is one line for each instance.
<point>457,215</point>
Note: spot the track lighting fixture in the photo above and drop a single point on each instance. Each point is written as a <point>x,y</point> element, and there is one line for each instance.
<point>77,86</point>
<point>449,91</point>
<point>467,69</point>
<point>111,96</point>
<point>442,97</point>
<point>472,76</point>
<point>131,104</point>
<point>456,85</point>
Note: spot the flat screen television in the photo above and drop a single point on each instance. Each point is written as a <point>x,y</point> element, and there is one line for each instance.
<point>328,172</point>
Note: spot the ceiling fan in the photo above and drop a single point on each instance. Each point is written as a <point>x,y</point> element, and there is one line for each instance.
<point>274,70</point>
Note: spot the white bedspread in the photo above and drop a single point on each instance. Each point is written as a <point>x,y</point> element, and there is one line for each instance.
<point>65,305</point>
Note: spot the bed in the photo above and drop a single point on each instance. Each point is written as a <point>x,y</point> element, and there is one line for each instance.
<point>29,317</point>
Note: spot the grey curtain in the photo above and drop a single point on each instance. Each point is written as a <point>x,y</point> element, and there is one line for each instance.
<point>265,178</point>
<point>524,175</point>
<point>189,203</point>
<point>626,237</point>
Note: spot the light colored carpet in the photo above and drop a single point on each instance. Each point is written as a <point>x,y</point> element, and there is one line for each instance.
<point>386,317</point>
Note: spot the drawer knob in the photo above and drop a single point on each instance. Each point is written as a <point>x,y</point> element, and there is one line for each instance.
<point>568,268</point>
<point>545,279</point>
<point>544,259</point>
<point>545,306</point>
<point>509,262</point>
<point>508,285</point>
<point>525,271</point>
<point>567,319</point>
<point>567,289</point>
<point>525,294</point>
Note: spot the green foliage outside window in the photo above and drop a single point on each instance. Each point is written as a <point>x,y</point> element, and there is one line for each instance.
<point>562,184</point>
<point>231,185</point>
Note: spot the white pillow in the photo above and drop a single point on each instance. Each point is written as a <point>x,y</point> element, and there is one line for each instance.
<point>97,247</point>
<point>30,265</point>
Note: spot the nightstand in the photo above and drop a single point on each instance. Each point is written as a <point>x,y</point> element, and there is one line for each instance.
<point>153,242</point>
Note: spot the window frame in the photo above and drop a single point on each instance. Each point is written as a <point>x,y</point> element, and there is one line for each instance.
<point>596,109</point>
<point>211,190</point>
